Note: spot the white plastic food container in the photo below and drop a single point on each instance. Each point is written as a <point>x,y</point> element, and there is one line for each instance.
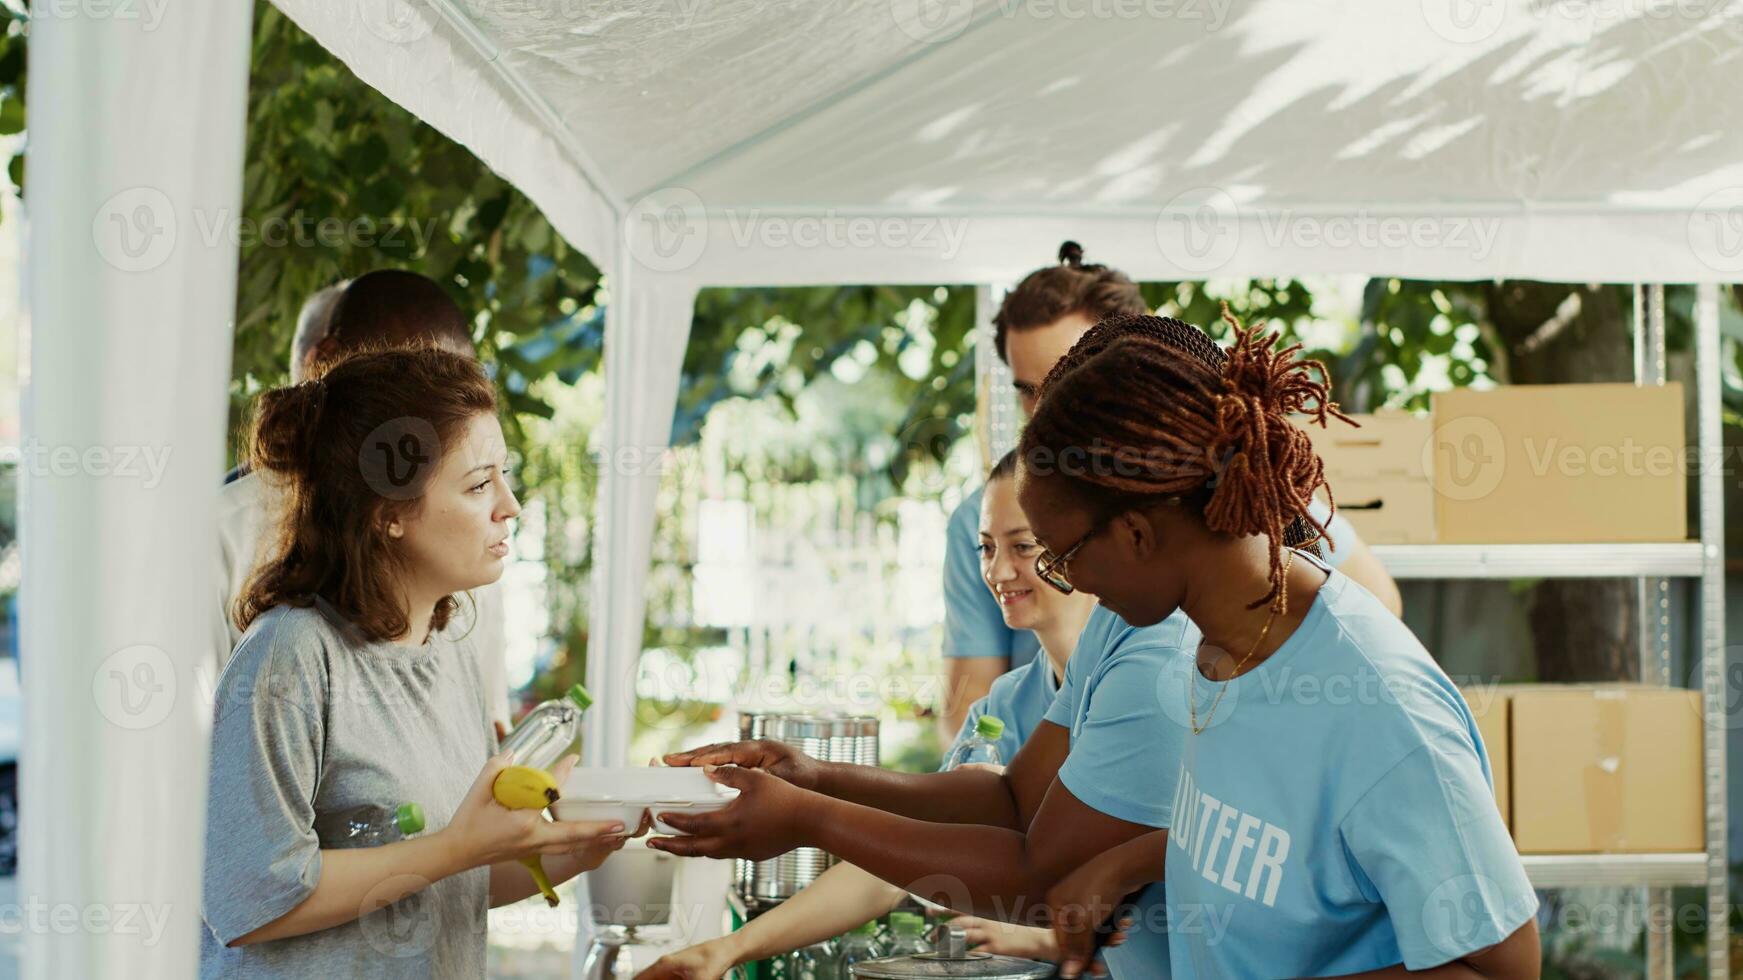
<point>625,793</point>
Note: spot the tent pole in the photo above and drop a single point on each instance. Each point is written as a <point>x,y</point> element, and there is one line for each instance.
<point>136,151</point>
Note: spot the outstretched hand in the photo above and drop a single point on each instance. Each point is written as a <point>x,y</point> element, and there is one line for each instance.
<point>767,820</point>
<point>774,758</point>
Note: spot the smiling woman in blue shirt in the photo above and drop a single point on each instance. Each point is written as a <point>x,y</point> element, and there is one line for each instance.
<point>1312,835</point>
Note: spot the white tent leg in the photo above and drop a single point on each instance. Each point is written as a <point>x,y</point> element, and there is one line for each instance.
<point>647,328</point>
<point>136,136</point>
<point>647,318</point>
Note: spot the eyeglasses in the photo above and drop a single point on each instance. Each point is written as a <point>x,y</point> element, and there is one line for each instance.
<point>1051,567</point>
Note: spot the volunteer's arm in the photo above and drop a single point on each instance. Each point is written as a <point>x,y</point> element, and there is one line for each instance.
<point>991,871</point>
<point>1087,896</point>
<point>975,796</point>
<point>839,900</point>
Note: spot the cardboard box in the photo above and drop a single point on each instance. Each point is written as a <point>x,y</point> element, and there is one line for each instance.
<point>1378,475</point>
<point>1537,464</point>
<point>1388,444</point>
<point>1388,511</point>
<point>1605,768</point>
<point>1490,707</point>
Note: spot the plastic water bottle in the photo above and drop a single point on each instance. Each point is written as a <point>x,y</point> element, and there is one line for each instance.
<point>815,962</point>
<point>858,946</point>
<point>909,929</point>
<point>981,747</point>
<point>370,825</point>
<point>548,730</point>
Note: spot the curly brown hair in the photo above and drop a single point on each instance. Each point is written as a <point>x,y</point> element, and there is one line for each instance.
<point>313,440</point>
<point>1153,413</point>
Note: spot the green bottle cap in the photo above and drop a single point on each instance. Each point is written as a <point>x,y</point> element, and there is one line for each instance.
<point>579,695</point>
<point>866,928</point>
<point>989,727</point>
<point>907,923</point>
<point>409,818</point>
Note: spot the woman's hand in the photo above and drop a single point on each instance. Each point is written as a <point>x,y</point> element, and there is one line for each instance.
<point>775,758</point>
<point>593,853</point>
<point>767,819</point>
<point>484,831</point>
<point>703,961</point>
<point>1007,938</point>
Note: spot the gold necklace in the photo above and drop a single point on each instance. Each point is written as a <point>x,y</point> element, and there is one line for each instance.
<point>1192,701</point>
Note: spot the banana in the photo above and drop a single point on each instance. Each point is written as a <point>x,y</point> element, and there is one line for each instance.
<point>537,870</point>
<point>526,788</point>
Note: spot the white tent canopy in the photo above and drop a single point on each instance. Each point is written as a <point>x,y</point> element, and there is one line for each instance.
<point>684,144</point>
<point>690,144</point>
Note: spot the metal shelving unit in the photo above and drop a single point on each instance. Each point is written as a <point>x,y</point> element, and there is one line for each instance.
<point>1584,870</point>
<point>1677,559</point>
<point>1652,564</point>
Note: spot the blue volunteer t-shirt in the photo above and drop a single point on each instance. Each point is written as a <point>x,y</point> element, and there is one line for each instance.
<point>973,624</point>
<point>1336,814</point>
<point>1125,754</point>
<point>1020,699</point>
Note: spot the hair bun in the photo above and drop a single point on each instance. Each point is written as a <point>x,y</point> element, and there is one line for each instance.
<point>1071,254</point>
<point>286,424</point>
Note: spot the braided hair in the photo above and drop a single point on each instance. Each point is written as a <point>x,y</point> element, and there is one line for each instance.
<point>1155,409</point>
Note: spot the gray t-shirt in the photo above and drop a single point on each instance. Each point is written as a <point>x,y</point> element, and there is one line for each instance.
<point>313,719</point>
